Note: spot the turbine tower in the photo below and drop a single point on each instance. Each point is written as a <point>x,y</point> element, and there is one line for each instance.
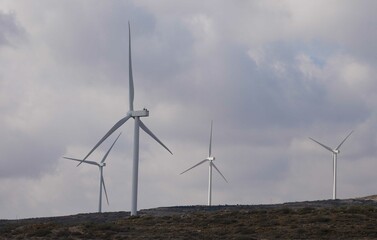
<point>209,159</point>
<point>136,115</point>
<point>101,179</point>
<point>335,153</point>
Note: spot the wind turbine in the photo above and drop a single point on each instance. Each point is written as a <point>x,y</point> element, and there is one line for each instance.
<point>101,179</point>
<point>209,159</point>
<point>136,115</point>
<point>335,153</point>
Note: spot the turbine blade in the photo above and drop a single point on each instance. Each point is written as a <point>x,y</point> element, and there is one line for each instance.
<point>205,160</point>
<point>115,127</point>
<point>210,142</point>
<point>219,171</point>
<point>104,188</point>
<point>328,148</point>
<point>80,160</point>
<point>108,151</point>
<point>131,81</point>
<point>344,140</point>
<point>142,125</point>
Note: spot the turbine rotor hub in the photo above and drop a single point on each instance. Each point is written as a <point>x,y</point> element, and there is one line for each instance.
<point>102,164</point>
<point>336,151</point>
<point>140,113</point>
<point>211,158</point>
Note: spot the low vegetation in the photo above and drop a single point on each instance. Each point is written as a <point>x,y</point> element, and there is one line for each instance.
<point>339,219</point>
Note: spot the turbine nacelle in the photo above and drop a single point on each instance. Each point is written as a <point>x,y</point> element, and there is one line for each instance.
<point>336,151</point>
<point>101,164</point>
<point>141,113</point>
<point>211,158</point>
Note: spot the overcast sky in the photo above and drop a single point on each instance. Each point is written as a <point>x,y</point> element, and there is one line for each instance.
<point>269,74</point>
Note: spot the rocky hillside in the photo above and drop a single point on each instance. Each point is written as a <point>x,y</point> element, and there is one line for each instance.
<point>330,219</point>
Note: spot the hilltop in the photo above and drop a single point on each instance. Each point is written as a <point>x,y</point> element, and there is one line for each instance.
<point>327,219</point>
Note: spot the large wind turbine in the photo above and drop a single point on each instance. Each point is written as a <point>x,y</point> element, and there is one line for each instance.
<point>335,153</point>
<point>136,115</point>
<point>209,159</point>
<point>101,179</point>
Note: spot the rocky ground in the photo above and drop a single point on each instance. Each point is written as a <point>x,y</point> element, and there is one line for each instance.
<point>330,219</point>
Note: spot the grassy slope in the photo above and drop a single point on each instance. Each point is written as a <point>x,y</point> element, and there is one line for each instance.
<point>339,219</point>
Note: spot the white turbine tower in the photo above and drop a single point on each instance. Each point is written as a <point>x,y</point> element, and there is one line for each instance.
<point>209,159</point>
<point>136,115</point>
<point>335,153</point>
<point>101,179</point>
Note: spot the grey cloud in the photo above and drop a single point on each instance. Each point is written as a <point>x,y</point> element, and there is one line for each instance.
<point>27,156</point>
<point>95,38</point>
<point>11,32</point>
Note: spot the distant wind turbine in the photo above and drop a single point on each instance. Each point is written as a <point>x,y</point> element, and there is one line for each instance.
<point>209,159</point>
<point>335,153</point>
<point>101,179</point>
<point>136,115</point>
